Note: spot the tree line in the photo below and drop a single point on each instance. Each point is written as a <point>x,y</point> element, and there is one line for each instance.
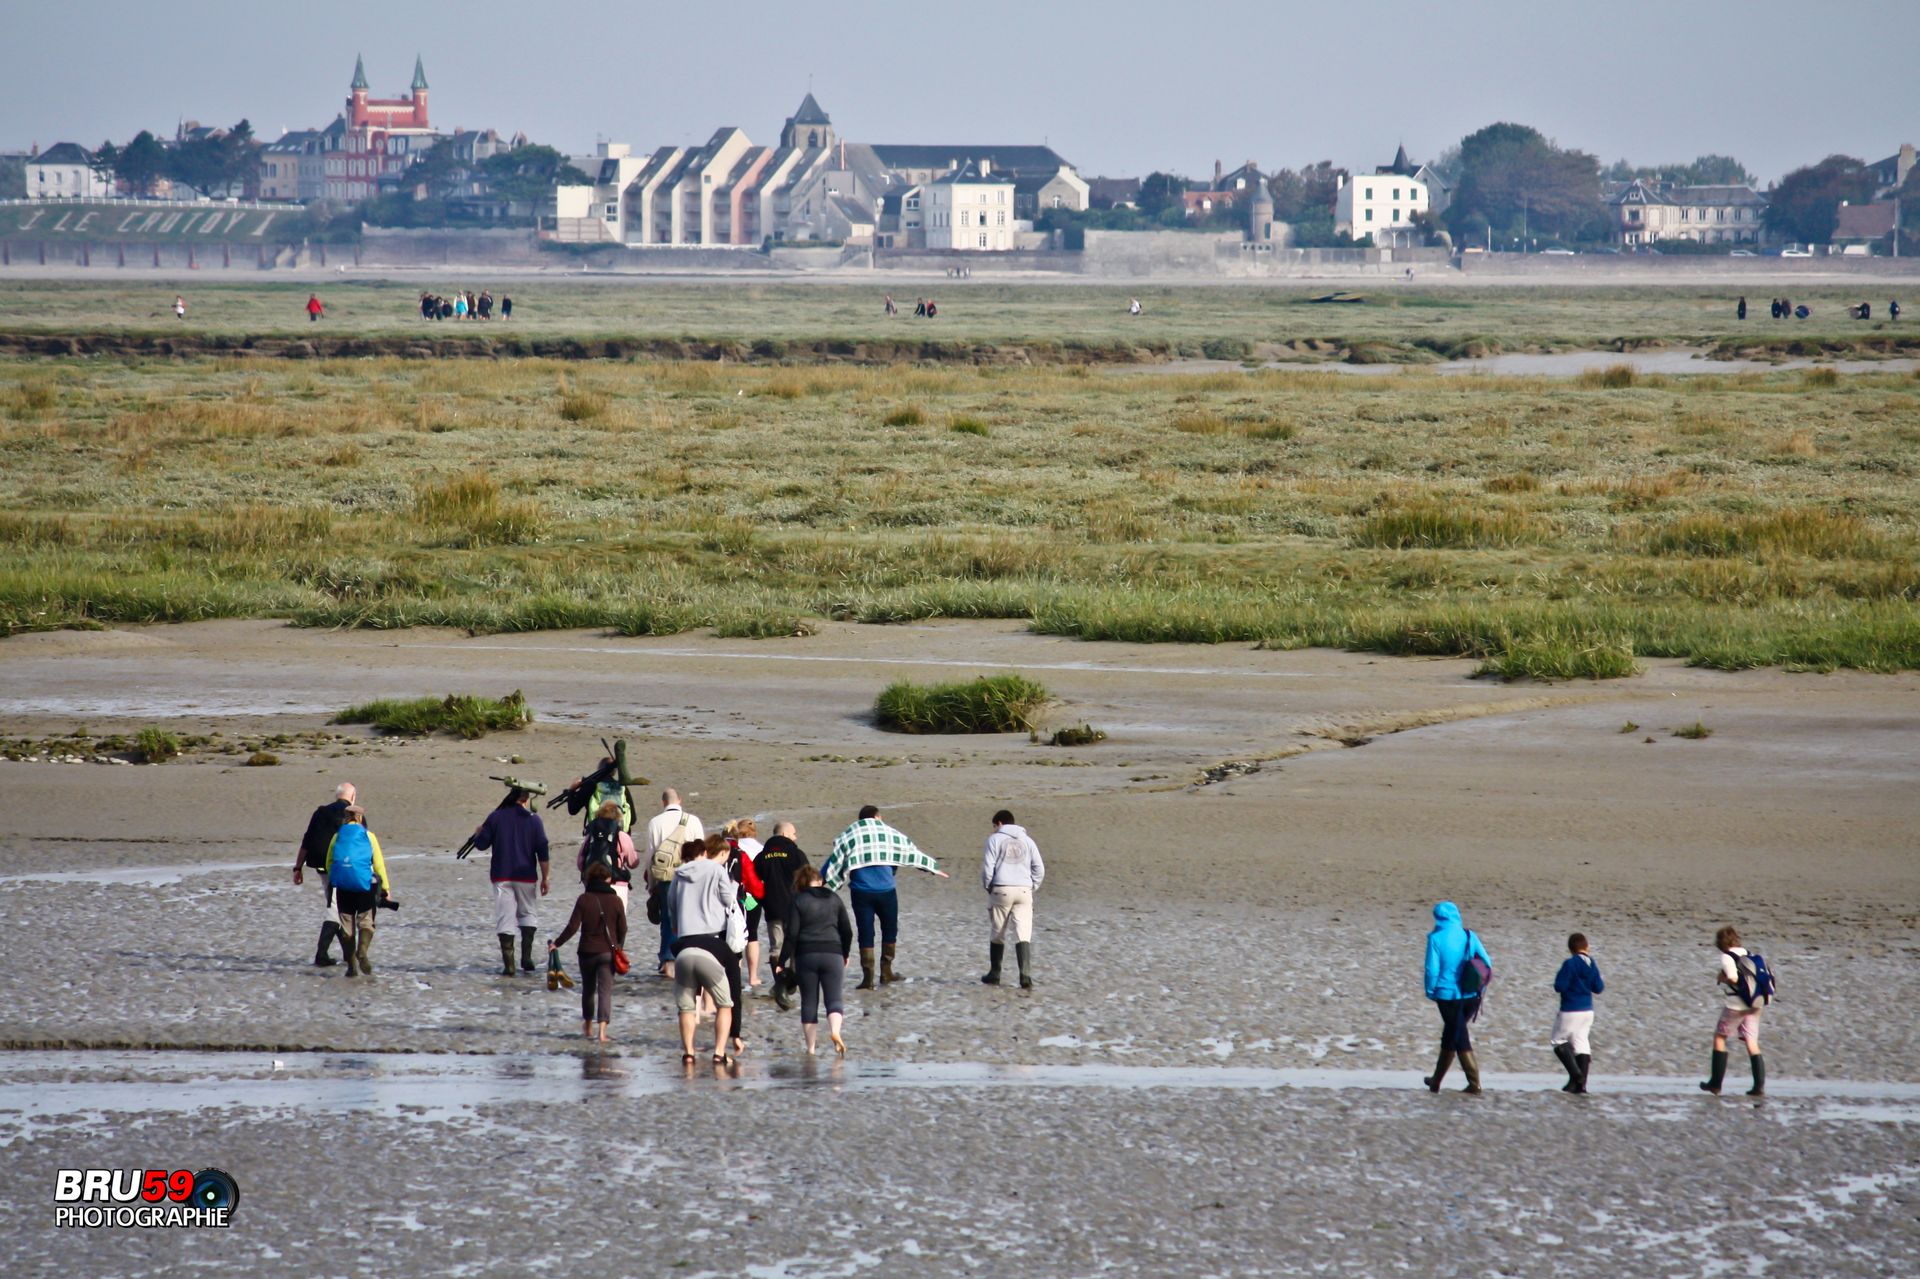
<point>1510,183</point>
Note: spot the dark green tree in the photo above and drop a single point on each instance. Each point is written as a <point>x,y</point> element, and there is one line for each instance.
<point>1517,180</point>
<point>140,164</point>
<point>528,174</point>
<point>1805,205</point>
<point>1159,191</point>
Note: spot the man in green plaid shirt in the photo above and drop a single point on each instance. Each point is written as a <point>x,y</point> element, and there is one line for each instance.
<point>863,857</point>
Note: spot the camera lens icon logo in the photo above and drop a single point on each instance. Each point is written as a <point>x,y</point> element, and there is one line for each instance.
<point>213,1188</point>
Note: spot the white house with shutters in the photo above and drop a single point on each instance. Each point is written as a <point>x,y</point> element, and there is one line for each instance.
<point>1382,205</point>
<point>969,209</point>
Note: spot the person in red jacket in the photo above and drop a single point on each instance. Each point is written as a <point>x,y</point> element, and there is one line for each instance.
<point>314,309</point>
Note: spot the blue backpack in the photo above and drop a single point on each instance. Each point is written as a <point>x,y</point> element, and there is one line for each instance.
<point>352,859</point>
<point>1755,980</point>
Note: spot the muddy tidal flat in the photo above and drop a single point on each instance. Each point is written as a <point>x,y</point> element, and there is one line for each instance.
<point>1217,1074</point>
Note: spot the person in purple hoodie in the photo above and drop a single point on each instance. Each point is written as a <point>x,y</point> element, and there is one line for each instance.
<point>518,839</point>
<point>1578,981</point>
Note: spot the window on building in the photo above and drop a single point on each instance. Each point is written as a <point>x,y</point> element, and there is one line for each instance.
<point>963,217</point>
<point>1369,215</point>
<point>1396,193</point>
<point>1369,193</point>
<point>983,239</point>
<point>1684,213</point>
<point>1003,217</point>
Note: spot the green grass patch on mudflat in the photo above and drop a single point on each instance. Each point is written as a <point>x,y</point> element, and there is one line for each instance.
<point>156,745</point>
<point>461,715</point>
<point>989,704</point>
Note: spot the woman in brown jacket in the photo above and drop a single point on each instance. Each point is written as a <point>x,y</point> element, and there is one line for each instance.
<point>601,921</point>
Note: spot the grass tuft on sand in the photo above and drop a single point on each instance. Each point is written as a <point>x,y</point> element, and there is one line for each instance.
<point>458,714</point>
<point>988,704</point>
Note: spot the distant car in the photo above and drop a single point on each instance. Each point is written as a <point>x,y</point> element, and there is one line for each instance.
<point>1557,253</point>
<point>1742,253</point>
<point>1795,251</point>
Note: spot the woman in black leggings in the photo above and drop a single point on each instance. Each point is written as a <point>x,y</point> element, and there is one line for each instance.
<point>819,941</point>
<point>601,921</point>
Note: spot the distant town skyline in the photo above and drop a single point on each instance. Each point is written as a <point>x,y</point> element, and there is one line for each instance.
<point>1120,88</point>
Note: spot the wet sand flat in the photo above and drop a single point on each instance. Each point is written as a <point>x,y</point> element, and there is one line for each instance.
<point>1270,921</point>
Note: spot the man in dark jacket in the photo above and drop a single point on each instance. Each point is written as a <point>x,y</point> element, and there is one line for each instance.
<point>518,839</point>
<point>775,865</point>
<point>312,854</point>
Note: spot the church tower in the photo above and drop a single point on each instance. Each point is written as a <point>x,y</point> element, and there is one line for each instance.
<point>357,93</point>
<point>419,93</point>
<point>808,128</point>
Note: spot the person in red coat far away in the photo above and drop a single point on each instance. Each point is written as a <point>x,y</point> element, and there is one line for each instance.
<point>314,309</point>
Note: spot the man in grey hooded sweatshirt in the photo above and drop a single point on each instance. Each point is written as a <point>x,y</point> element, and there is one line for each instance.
<point>1010,871</point>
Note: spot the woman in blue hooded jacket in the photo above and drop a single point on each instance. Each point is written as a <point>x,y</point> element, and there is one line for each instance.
<point>1449,946</point>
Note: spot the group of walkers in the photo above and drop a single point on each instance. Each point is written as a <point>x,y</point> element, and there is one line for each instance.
<point>1458,970</point>
<point>709,894</point>
<point>1784,309</point>
<point>463,306</point>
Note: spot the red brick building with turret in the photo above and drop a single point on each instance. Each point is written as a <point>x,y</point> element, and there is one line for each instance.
<point>371,144</point>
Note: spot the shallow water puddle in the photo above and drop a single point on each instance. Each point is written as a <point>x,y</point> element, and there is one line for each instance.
<point>449,1085</point>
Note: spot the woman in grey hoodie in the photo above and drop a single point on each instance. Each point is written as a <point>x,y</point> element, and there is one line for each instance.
<point>1010,872</point>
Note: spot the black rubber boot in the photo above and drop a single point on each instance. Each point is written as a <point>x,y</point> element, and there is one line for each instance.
<point>887,975</point>
<point>1583,1060</point>
<point>995,954</point>
<point>1718,1073</point>
<point>323,953</point>
<point>1471,1064</point>
<point>506,954</point>
<point>1565,1053</point>
<point>1440,1069</point>
<point>866,968</point>
<point>1759,1065</point>
<point>1023,955</point>
<point>526,948</point>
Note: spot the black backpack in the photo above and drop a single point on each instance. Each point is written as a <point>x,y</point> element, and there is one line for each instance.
<point>603,847</point>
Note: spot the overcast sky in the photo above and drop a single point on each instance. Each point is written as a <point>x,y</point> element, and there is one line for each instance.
<point>1119,87</point>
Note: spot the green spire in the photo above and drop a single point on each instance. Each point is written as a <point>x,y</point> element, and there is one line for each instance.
<point>359,73</point>
<point>419,73</point>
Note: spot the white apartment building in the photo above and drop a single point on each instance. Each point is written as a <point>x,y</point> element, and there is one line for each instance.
<point>1382,205</point>
<point>969,209</point>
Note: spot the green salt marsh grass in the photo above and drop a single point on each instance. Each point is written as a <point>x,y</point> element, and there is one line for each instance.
<point>987,704</point>
<point>462,715</point>
<point>1542,527</point>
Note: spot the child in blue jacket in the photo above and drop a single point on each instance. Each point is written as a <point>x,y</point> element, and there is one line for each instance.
<point>1578,981</point>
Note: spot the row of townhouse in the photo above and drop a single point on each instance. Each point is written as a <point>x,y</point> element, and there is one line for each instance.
<point>813,186</point>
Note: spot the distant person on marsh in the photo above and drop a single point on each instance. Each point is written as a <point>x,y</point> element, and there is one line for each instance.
<point>920,306</point>
<point>314,309</point>
<point>179,307</point>
<point>1577,982</point>
<point>460,306</point>
<point>446,309</point>
<point>1740,311</point>
<point>864,856</point>
<point>428,309</point>
<point>1802,311</point>
<point>486,305</point>
<point>1133,306</point>
<point>890,309</point>
<point>311,854</point>
<point>1893,308</point>
<point>932,310</point>
<point>506,307</point>
<point>1010,872</point>
<point>1773,308</point>
<point>1457,972</point>
<point>1746,983</point>
<point>518,840</point>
